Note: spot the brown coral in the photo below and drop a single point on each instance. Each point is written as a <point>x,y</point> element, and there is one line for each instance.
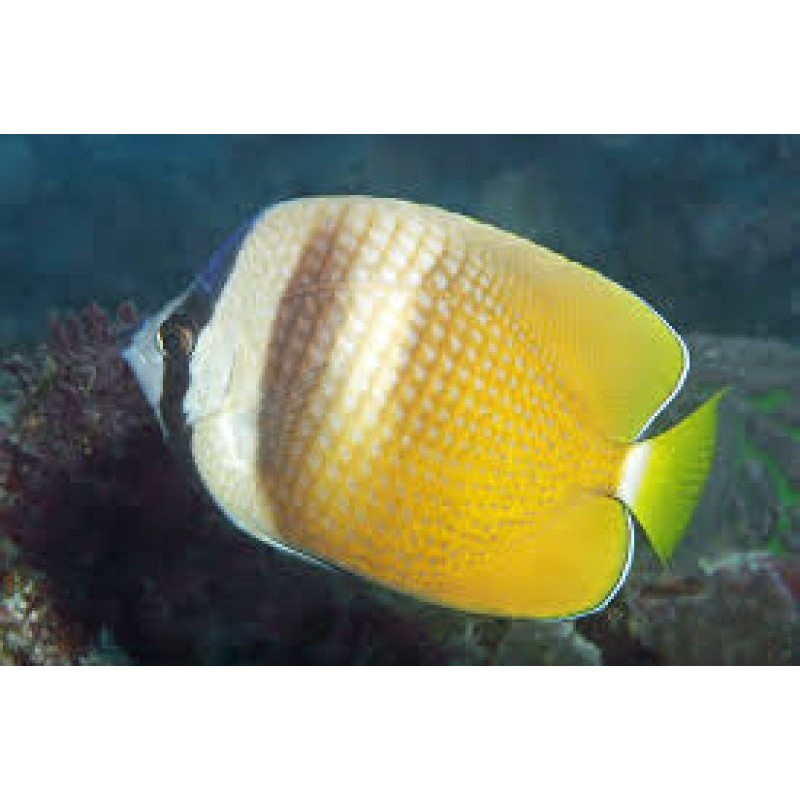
<point>111,530</point>
<point>743,610</point>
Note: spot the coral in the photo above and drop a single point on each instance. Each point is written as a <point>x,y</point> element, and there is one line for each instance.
<point>33,633</point>
<point>61,428</point>
<point>546,642</point>
<point>110,530</point>
<point>743,610</point>
<point>28,634</point>
<point>718,602</point>
<point>482,640</point>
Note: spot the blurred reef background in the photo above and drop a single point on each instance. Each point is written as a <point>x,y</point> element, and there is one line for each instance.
<point>109,555</point>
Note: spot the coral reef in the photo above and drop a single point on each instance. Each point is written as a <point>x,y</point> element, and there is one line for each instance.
<point>546,643</point>
<point>33,633</point>
<point>481,640</point>
<point>104,528</point>
<point>109,553</point>
<point>743,610</point>
<point>30,633</point>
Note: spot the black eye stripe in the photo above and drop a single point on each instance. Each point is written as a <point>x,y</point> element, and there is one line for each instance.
<point>177,337</point>
<point>176,382</point>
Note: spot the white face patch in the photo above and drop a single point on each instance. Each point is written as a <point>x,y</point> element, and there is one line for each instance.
<point>210,369</point>
<point>145,358</point>
<point>238,436</point>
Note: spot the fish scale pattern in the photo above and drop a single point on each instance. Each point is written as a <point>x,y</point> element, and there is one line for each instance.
<point>433,403</point>
<point>411,428</point>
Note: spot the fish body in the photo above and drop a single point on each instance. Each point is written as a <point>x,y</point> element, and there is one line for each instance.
<point>429,402</point>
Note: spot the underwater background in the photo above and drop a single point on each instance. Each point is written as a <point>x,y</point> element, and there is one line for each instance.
<point>108,555</point>
<point>705,227</point>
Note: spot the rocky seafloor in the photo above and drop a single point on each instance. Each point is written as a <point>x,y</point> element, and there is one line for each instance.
<point>109,555</point>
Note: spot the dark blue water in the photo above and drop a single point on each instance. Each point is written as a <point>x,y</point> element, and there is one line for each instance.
<point>705,227</point>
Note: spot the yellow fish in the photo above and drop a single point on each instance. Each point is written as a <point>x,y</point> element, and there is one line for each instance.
<point>429,402</point>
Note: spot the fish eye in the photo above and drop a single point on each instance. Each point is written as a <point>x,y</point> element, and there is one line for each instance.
<point>175,337</point>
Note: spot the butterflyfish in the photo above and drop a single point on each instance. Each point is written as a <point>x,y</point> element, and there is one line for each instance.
<point>429,402</point>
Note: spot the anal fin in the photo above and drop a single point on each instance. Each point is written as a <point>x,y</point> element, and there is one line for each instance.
<point>570,566</point>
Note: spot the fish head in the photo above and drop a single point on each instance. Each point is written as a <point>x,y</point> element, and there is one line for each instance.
<point>177,354</point>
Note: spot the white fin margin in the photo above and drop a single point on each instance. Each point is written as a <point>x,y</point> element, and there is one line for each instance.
<point>620,581</point>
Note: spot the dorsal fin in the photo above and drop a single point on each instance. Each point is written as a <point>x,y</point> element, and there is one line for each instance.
<point>620,358</point>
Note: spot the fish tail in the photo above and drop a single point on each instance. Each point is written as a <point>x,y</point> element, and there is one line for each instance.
<point>663,477</point>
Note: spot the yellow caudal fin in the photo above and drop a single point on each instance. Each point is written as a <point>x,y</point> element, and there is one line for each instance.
<point>663,477</point>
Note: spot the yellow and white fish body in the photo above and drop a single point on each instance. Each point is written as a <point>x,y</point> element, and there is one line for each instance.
<point>434,404</point>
